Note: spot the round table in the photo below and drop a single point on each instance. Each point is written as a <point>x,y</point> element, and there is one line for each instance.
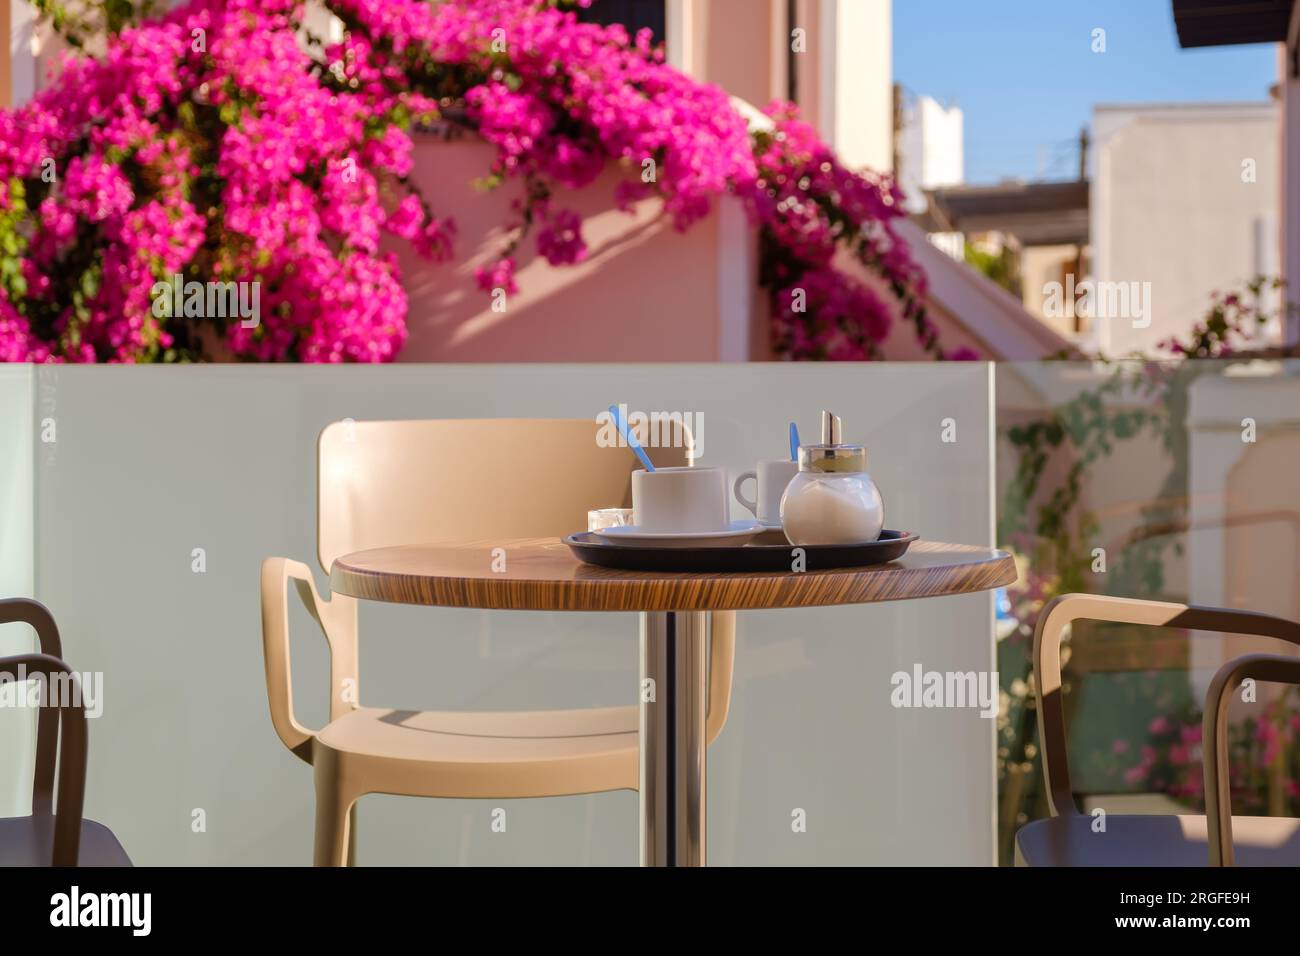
<point>541,574</point>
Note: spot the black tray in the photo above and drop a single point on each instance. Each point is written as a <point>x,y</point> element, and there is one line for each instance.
<point>593,549</point>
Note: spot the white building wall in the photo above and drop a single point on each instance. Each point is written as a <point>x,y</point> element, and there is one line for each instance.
<point>1185,198</point>
<point>931,149</point>
<point>863,81</point>
<point>844,75</point>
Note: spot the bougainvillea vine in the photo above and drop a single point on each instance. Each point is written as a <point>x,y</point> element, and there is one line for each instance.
<point>223,143</point>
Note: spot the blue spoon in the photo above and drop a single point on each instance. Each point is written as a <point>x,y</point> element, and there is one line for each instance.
<point>630,438</point>
<point>794,442</point>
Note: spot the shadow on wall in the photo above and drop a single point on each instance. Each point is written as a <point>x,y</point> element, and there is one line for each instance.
<point>646,292</point>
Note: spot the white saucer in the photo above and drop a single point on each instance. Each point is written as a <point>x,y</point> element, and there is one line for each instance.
<point>772,534</point>
<point>770,525</point>
<point>630,536</point>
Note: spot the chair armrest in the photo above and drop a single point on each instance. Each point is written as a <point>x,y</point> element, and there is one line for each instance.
<point>1214,736</point>
<point>338,621</point>
<point>72,744</point>
<point>722,658</point>
<point>1067,608</point>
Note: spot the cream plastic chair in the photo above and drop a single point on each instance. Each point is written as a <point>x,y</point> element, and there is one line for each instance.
<point>1069,838</point>
<point>384,484</point>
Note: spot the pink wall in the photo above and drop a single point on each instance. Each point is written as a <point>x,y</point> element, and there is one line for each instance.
<point>645,293</point>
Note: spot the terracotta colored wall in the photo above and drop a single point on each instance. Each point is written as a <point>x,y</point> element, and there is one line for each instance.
<point>902,345</point>
<point>737,46</point>
<point>645,293</point>
<point>6,63</point>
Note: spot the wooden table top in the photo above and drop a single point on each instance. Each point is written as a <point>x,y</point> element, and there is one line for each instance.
<point>541,574</point>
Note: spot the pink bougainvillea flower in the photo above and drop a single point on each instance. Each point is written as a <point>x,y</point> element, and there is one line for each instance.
<point>560,240</point>
<point>499,275</point>
<point>254,157</point>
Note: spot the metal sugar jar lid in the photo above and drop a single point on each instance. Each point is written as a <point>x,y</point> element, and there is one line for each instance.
<point>831,454</point>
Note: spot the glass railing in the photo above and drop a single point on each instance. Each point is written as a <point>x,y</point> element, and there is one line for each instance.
<point>139,503</point>
<point>153,471</point>
<point>1169,483</point>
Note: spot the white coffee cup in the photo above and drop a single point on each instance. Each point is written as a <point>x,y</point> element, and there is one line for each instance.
<point>675,500</point>
<point>771,476</point>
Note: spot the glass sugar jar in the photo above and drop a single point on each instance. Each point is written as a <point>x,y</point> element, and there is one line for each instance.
<point>832,499</point>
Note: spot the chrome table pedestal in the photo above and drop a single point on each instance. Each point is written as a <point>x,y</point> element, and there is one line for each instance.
<point>674,700</point>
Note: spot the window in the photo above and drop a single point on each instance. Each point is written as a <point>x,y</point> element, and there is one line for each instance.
<point>633,14</point>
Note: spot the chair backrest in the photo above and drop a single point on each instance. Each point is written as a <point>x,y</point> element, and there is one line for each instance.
<point>387,484</point>
<point>37,616</point>
<point>1063,610</point>
<point>61,697</point>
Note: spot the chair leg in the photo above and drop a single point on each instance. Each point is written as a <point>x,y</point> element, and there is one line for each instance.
<point>352,835</point>
<point>333,815</point>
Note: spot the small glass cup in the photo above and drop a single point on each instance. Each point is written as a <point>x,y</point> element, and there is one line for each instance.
<point>608,518</point>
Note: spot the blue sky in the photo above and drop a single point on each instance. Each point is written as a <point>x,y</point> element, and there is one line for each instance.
<point>1026,79</point>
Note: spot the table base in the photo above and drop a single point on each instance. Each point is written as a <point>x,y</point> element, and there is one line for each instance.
<point>674,701</point>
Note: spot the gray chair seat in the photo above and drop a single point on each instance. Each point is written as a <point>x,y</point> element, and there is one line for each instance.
<point>29,841</point>
<point>1132,840</point>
